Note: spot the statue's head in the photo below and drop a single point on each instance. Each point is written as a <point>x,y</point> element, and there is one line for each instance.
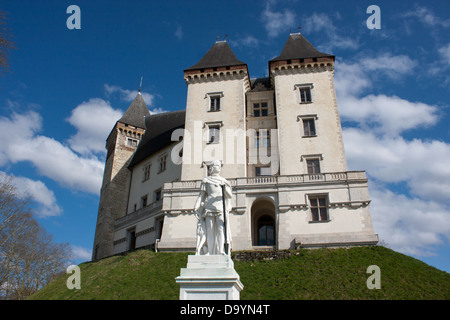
<point>215,167</point>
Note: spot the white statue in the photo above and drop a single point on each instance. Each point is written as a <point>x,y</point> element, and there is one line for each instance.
<point>213,227</point>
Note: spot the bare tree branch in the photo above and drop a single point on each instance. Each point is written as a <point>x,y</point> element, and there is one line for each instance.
<point>6,43</point>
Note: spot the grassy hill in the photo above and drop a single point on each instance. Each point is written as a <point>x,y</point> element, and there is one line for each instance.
<point>306,274</point>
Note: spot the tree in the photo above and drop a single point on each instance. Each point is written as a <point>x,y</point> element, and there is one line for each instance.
<point>6,43</point>
<point>29,259</point>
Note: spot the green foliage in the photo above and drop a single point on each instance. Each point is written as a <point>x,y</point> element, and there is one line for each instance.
<point>308,274</point>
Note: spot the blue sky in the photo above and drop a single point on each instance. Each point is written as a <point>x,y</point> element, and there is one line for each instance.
<point>67,88</point>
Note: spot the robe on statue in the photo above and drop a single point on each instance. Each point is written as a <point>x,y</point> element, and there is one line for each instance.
<point>209,211</point>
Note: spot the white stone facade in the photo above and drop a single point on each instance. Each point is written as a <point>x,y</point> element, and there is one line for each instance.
<point>300,194</point>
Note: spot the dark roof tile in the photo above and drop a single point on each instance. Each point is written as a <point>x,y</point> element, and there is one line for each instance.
<point>297,47</point>
<point>158,134</point>
<point>220,55</point>
<point>136,113</point>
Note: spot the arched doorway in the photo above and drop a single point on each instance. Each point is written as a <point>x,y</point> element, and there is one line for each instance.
<point>265,231</point>
<point>263,223</point>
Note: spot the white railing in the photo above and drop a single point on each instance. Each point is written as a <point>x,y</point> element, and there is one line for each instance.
<point>288,179</point>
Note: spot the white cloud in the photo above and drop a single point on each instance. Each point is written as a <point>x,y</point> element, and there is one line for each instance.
<point>392,66</point>
<point>352,79</point>
<point>80,253</point>
<point>93,120</point>
<point>323,24</point>
<point>410,225</point>
<point>414,222</point>
<point>444,52</point>
<point>51,158</point>
<point>387,115</point>
<point>179,33</point>
<point>427,17</point>
<point>276,22</point>
<point>38,191</point>
<point>421,164</point>
<point>129,95</point>
<point>18,127</point>
<point>246,41</point>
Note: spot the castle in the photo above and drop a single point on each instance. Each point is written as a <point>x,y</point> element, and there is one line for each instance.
<point>280,143</point>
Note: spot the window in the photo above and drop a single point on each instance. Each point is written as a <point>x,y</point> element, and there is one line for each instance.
<point>262,138</point>
<point>313,166</point>
<point>131,239</point>
<point>319,208</point>
<point>260,109</point>
<point>132,142</point>
<point>158,195</point>
<point>159,223</point>
<point>309,128</point>
<point>304,91</point>
<point>147,172</point>
<point>214,103</point>
<point>144,201</point>
<point>162,161</point>
<point>305,95</point>
<point>266,231</point>
<point>214,134</point>
<point>262,171</point>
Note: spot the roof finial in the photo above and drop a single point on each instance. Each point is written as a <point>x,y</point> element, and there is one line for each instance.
<point>298,32</point>
<point>140,85</point>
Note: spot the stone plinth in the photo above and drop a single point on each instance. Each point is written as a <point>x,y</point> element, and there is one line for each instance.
<point>209,278</point>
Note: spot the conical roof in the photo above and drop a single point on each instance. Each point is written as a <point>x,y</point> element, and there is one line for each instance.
<point>297,47</point>
<point>158,133</point>
<point>136,113</point>
<point>220,55</point>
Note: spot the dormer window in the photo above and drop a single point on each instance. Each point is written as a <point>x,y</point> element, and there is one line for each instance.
<point>260,109</point>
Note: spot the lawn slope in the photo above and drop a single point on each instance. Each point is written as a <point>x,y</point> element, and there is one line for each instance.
<point>306,274</point>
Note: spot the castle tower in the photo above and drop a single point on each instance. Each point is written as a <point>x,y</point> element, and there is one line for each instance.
<point>310,134</point>
<point>215,114</point>
<point>121,145</point>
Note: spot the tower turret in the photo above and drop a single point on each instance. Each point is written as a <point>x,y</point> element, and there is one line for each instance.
<point>215,105</point>
<point>121,145</point>
<point>310,134</point>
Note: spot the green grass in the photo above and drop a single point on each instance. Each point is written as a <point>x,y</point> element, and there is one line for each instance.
<point>308,274</point>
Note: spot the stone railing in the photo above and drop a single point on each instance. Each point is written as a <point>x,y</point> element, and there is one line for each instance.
<point>276,180</point>
<point>153,207</point>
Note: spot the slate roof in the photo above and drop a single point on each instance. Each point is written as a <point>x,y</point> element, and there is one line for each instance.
<point>260,84</point>
<point>158,133</point>
<point>136,113</point>
<point>220,55</point>
<point>297,47</point>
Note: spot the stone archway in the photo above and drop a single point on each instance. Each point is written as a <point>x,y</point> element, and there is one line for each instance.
<point>263,223</point>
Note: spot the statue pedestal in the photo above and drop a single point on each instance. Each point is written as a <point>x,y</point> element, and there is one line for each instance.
<point>209,278</point>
